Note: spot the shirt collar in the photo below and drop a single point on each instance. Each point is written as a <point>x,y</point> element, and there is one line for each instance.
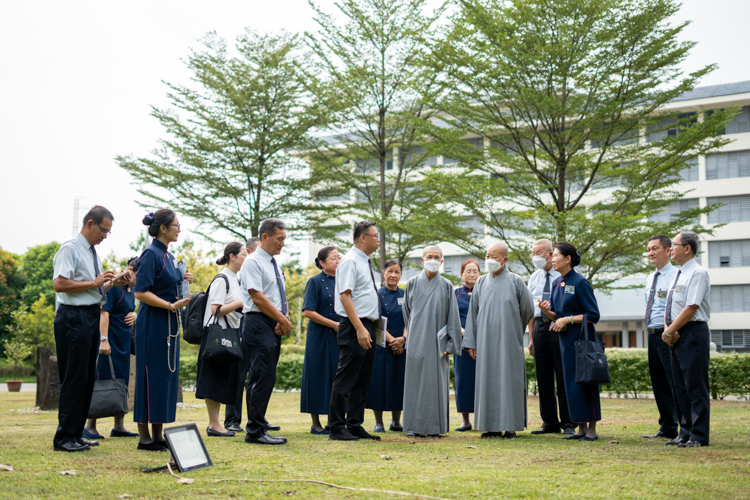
<point>570,273</point>
<point>263,253</point>
<point>83,241</point>
<point>668,267</point>
<point>688,265</point>
<point>160,245</point>
<point>359,253</point>
<point>230,273</point>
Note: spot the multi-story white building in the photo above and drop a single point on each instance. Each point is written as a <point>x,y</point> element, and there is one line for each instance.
<point>723,177</point>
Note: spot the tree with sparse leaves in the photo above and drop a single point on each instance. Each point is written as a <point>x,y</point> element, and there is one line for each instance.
<point>227,162</point>
<point>569,97</point>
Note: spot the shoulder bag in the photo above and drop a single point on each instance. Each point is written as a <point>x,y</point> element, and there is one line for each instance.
<point>592,367</point>
<point>223,345</point>
<point>110,398</point>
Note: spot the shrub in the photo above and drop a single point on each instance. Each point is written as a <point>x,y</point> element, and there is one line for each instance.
<point>188,371</point>
<point>289,371</point>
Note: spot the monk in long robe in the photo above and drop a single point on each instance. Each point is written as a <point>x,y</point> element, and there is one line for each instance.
<point>500,307</point>
<point>429,305</point>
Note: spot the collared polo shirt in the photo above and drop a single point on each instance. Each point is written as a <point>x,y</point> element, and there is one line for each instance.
<point>355,274</point>
<point>693,287</point>
<point>74,260</point>
<point>665,278</point>
<point>257,273</point>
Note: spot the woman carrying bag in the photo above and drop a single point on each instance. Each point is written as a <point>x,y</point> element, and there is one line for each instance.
<point>571,300</point>
<point>219,383</point>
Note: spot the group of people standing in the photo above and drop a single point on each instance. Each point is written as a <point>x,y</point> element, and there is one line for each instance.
<point>345,371</point>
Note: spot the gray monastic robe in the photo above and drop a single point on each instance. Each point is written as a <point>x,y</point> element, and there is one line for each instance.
<point>428,306</point>
<point>499,310</point>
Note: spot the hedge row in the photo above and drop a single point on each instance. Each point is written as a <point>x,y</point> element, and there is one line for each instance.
<point>729,374</point>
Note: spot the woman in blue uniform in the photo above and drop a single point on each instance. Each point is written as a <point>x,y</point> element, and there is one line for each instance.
<point>157,334</point>
<point>387,383</point>
<point>572,297</point>
<point>464,367</point>
<point>116,325</point>
<point>321,347</point>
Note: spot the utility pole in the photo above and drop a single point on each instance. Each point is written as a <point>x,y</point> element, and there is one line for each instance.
<point>76,222</point>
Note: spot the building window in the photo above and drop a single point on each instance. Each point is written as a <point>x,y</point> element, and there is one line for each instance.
<point>662,130</point>
<point>739,124</point>
<point>733,209</point>
<point>689,173</point>
<point>418,153</point>
<point>730,298</point>
<point>728,339</point>
<point>674,209</point>
<point>734,253</point>
<point>728,165</point>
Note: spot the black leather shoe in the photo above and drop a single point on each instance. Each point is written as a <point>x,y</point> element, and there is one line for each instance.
<point>363,434</point>
<point>212,432</point>
<point>265,439</point>
<point>510,435</point>
<point>342,435</point>
<point>271,427</point>
<point>691,444</point>
<point>71,446</point>
<point>546,430</point>
<point>660,433</point>
<point>678,440</point>
<point>234,427</point>
<point>489,435</point>
<point>152,446</point>
<point>86,442</point>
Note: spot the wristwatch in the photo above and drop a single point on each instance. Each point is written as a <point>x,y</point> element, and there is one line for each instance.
<point>103,338</point>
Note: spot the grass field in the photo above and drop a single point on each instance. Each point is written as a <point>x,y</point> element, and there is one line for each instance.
<point>460,465</point>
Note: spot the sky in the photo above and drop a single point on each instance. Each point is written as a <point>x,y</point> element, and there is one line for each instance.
<point>78,79</point>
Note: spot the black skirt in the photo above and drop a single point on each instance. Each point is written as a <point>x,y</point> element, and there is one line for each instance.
<point>218,381</point>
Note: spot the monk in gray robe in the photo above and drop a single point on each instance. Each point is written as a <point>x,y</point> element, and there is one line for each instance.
<point>429,306</point>
<point>500,307</point>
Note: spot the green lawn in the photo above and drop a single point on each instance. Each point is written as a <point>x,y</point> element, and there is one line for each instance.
<point>457,466</point>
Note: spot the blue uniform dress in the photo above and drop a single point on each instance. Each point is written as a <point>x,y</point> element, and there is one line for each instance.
<point>120,302</point>
<point>386,391</point>
<point>156,385</point>
<point>321,349</point>
<point>464,368</point>
<point>583,400</point>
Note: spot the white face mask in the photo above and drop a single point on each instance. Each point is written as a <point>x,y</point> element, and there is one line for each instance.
<point>431,266</point>
<point>539,262</point>
<point>492,265</point>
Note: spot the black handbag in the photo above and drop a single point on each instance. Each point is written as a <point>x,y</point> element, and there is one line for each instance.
<point>592,367</point>
<point>223,345</point>
<point>110,398</point>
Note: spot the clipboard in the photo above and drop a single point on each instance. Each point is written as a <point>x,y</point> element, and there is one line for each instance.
<point>442,341</point>
<point>381,326</point>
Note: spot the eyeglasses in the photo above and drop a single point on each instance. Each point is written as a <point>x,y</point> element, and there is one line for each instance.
<point>680,244</point>
<point>540,254</point>
<point>376,235</point>
<point>175,225</point>
<point>105,232</point>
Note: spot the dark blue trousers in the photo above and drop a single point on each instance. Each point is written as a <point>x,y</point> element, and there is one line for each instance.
<point>265,348</point>
<point>690,371</point>
<point>662,382</point>
<point>77,344</point>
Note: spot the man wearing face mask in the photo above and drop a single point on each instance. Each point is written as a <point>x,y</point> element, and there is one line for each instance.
<point>500,308</point>
<point>544,346</point>
<point>433,324</point>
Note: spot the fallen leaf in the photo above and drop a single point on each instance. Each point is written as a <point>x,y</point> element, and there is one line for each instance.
<point>614,442</point>
<point>472,447</point>
<point>445,457</point>
<point>124,495</point>
<point>287,493</point>
<point>412,442</point>
<point>68,472</point>
<point>184,480</point>
<point>386,457</point>
<point>6,467</point>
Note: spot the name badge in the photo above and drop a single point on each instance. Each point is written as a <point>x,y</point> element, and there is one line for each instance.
<point>400,301</point>
<point>662,294</point>
<point>679,289</point>
<point>570,290</point>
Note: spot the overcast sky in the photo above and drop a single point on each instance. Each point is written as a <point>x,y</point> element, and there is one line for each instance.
<point>77,80</point>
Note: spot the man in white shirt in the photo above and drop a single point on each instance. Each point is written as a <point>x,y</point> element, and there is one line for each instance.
<point>81,288</point>
<point>686,318</point>
<point>356,301</point>
<point>659,250</point>
<point>544,346</point>
<point>266,321</point>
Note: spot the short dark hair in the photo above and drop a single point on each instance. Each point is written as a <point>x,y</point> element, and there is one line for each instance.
<point>270,226</point>
<point>232,248</point>
<point>664,241</point>
<point>252,243</point>
<point>133,262</point>
<point>360,228</point>
<point>393,262</point>
<point>155,220</point>
<point>97,214</point>
<point>689,238</point>
<point>323,255</point>
<point>569,250</point>
<point>470,261</point>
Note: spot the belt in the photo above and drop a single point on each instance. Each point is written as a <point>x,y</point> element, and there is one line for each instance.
<point>545,319</point>
<point>657,330</point>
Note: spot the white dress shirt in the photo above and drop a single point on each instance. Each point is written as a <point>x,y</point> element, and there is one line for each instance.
<point>663,281</point>
<point>257,273</point>
<point>218,295</point>
<point>355,274</point>
<point>74,260</point>
<point>536,286</point>
<point>692,288</point>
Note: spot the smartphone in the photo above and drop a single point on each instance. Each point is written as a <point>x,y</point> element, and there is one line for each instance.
<point>123,273</point>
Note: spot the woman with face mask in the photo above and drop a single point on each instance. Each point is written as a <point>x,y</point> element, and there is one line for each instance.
<point>321,348</point>
<point>386,391</point>
<point>464,367</point>
<point>571,298</point>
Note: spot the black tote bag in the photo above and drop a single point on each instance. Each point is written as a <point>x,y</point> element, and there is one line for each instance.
<point>592,367</point>
<point>110,398</point>
<point>223,345</point>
